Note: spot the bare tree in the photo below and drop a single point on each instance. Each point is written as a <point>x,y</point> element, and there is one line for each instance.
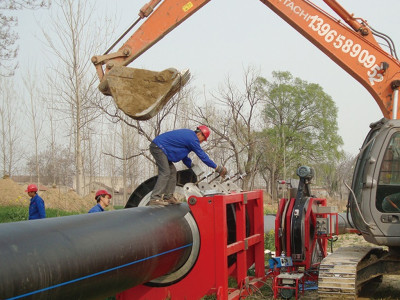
<point>9,131</point>
<point>131,170</point>
<point>8,37</point>
<point>345,170</point>
<point>125,149</point>
<point>54,127</point>
<point>62,172</point>
<point>233,115</point>
<point>169,118</point>
<point>134,136</point>
<point>74,80</point>
<point>36,118</point>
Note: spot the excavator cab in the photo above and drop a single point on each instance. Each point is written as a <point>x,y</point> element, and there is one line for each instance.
<point>375,198</point>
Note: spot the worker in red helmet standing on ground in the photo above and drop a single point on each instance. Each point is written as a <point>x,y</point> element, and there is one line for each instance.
<point>174,146</point>
<point>36,206</point>
<point>103,200</point>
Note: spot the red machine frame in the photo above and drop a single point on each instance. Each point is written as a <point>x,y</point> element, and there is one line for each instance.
<point>310,219</point>
<point>300,267</point>
<point>210,273</point>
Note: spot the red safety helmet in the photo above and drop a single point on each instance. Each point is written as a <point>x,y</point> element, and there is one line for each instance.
<point>102,192</point>
<point>204,130</point>
<point>31,188</point>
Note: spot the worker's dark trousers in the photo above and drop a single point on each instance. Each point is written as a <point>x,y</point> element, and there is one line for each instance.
<point>166,180</point>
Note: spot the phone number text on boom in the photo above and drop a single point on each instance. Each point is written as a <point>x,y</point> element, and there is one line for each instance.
<point>348,46</point>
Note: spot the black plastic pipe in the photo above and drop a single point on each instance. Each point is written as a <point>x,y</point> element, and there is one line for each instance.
<point>92,256</point>
<point>344,225</point>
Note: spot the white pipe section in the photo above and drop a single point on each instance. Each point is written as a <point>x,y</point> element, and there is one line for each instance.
<point>395,103</point>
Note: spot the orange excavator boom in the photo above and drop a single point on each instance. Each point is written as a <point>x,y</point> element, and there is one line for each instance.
<point>353,47</point>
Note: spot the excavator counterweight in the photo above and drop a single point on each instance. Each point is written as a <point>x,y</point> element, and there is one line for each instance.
<point>140,93</point>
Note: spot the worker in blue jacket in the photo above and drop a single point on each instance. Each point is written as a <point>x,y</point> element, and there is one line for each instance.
<point>171,147</point>
<point>103,200</point>
<point>36,206</point>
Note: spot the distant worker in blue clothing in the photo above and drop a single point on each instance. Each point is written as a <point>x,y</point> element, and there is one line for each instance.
<point>174,146</point>
<point>103,200</point>
<point>36,206</point>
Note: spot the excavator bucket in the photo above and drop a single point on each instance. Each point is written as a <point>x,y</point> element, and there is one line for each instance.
<point>142,93</point>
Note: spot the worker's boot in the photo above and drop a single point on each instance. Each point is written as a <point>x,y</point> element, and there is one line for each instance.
<point>158,202</point>
<point>172,200</point>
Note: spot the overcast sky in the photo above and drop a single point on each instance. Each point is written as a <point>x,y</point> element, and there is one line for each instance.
<point>226,36</point>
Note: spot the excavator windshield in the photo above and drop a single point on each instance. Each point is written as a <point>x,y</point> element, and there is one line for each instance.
<point>359,179</point>
<point>375,204</point>
<point>388,194</point>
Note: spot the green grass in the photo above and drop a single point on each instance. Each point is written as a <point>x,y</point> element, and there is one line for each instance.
<point>18,213</point>
<point>118,207</point>
<point>209,297</point>
<point>266,290</point>
<point>269,211</point>
<point>269,240</point>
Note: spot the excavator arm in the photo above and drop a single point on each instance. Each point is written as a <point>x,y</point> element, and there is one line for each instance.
<point>142,93</point>
<point>352,46</point>
<point>166,17</point>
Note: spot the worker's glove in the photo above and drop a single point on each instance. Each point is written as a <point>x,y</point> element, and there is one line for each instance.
<point>221,170</point>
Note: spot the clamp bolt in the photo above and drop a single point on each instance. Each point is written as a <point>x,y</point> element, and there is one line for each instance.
<point>192,201</point>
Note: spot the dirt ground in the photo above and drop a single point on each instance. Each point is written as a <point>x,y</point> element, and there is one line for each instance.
<point>388,289</point>
<point>61,198</point>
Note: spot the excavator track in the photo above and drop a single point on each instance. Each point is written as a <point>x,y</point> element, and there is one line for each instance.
<point>339,273</point>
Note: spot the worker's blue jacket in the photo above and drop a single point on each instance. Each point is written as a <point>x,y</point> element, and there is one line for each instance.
<point>96,208</point>
<point>36,208</point>
<point>177,144</point>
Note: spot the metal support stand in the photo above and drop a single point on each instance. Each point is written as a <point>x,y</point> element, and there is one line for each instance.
<point>287,281</point>
<point>211,271</point>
